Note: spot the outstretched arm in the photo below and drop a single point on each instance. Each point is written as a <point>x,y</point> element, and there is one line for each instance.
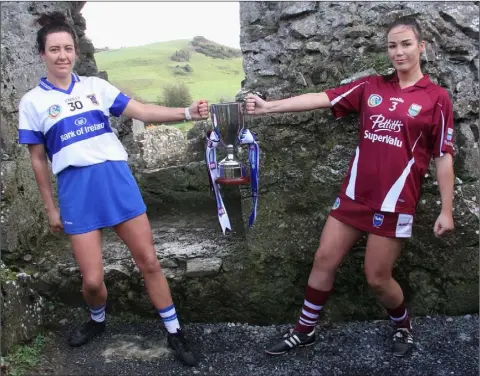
<point>342,100</point>
<point>305,102</point>
<point>159,114</point>
<point>445,179</point>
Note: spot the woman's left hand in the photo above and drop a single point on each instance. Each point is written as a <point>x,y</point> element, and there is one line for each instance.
<point>199,109</point>
<point>443,224</point>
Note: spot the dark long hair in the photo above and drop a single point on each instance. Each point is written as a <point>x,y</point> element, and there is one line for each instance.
<point>53,22</point>
<point>408,22</point>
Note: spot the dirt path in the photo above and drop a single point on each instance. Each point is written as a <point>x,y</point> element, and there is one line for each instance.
<point>445,346</point>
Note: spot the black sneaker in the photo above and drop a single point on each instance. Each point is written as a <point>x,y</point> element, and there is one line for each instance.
<point>290,340</point>
<point>402,341</point>
<point>180,347</point>
<point>85,333</point>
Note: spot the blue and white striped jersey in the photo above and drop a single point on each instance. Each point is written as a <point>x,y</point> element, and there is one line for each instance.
<point>73,124</point>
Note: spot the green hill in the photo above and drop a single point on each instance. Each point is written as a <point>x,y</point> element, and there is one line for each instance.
<point>211,71</point>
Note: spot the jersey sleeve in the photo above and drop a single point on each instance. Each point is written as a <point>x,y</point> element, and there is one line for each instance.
<point>347,98</point>
<point>114,100</point>
<point>442,132</point>
<point>29,127</point>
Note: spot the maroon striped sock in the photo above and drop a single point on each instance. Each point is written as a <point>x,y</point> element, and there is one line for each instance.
<point>399,316</point>
<point>312,305</point>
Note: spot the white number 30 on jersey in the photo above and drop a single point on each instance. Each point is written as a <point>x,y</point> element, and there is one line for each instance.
<point>77,105</point>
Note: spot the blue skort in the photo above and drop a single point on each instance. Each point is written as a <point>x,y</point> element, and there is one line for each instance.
<point>98,196</point>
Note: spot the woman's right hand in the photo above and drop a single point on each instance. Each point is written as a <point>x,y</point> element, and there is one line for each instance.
<point>255,105</point>
<point>54,220</point>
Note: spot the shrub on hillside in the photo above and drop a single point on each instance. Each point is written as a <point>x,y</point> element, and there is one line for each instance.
<point>182,70</point>
<point>180,55</point>
<point>212,49</point>
<point>226,99</point>
<point>176,95</point>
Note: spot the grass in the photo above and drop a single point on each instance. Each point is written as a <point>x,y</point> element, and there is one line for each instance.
<point>7,275</point>
<point>23,357</point>
<point>143,71</point>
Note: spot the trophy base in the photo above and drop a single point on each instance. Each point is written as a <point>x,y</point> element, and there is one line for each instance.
<point>233,181</point>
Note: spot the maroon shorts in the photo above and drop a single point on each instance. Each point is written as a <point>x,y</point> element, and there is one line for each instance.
<point>362,217</point>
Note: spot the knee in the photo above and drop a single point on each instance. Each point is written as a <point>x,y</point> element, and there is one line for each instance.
<point>325,260</point>
<point>377,278</point>
<point>148,263</point>
<point>93,284</point>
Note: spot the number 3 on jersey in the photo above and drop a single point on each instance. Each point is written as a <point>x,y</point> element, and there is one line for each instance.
<point>77,105</point>
<point>394,106</point>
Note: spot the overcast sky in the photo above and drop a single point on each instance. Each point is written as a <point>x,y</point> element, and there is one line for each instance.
<point>123,24</point>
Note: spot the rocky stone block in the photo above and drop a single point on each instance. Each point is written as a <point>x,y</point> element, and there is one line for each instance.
<point>297,8</point>
<point>304,28</point>
<point>21,306</point>
<point>203,267</point>
<point>162,146</point>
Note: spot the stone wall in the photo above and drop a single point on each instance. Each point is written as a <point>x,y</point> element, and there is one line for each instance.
<point>296,47</point>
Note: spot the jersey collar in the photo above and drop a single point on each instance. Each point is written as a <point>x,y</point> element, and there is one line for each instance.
<point>45,85</point>
<point>423,82</point>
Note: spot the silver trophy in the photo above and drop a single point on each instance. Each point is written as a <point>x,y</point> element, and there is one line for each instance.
<point>230,133</point>
<point>228,122</point>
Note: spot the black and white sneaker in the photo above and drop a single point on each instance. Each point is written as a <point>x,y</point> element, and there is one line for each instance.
<point>402,341</point>
<point>181,348</point>
<point>290,340</point>
<point>85,333</point>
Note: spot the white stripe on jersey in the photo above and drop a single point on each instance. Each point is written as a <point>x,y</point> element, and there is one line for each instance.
<point>337,99</point>
<point>350,191</point>
<point>98,147</point>
<point>443,131</point>
<point>390,201</point>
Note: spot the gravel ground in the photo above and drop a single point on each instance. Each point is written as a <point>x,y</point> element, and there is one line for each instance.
<point>443,346</point>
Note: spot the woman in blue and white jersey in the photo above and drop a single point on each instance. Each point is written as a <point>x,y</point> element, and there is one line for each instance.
<point>66,117</point>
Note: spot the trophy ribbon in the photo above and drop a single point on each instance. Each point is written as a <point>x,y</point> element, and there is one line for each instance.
<point>211,155</point>
<point>246,137</point>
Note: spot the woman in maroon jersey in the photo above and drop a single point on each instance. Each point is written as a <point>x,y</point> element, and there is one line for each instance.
<point>406,119</point>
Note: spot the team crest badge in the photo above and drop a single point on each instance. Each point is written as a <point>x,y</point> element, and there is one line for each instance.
<point>377,220</point>
<point>449,134</point>
<point>93,98</point>
<point>336,204</point>
<point>374,100</point>
<point>414,110</point>
<point>54,111</point>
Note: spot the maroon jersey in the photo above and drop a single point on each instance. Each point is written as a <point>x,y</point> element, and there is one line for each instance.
<point>400,131</point>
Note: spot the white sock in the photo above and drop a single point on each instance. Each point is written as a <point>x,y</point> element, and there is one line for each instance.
<point>98,314</point>
<point>169,318</point>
